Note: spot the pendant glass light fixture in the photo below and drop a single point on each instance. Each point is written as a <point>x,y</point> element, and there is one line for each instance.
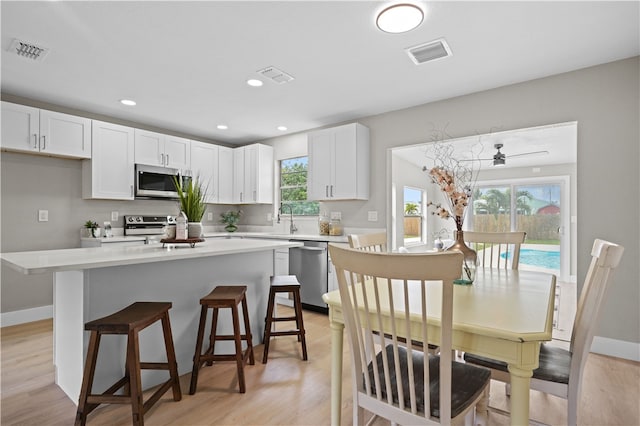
<point>400,18</point>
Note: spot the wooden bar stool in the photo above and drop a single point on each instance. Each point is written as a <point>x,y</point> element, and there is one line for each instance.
<point>223,297</point>
<point>284,284</point>
<point>130,321</point>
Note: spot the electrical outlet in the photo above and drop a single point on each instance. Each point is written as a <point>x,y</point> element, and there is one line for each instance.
<point>43,215</point>
<point>336,215</point>
<point>114,216</point>
<point>269,217</point>
<point>210,216</point>
<point>372,216</point>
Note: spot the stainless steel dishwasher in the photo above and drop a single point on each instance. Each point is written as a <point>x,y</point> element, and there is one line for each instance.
<point>309,264</point>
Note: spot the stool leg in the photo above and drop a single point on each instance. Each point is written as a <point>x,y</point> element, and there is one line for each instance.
<point>300,322</point>
<point>171,357</point>
<point>198,352</point>
<point>87,381</point>
<point>268,325</point>
<point>247,331</point>
<point>238,344</point>
<point>212,336</point>
<point>133,363</point>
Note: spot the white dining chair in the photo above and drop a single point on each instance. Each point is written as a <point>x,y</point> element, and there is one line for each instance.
<point>496,249</point>
<point>560,370</point>
<point>369,242</point>
<point>404,384</point>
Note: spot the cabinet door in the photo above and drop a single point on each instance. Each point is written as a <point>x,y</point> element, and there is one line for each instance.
<point>238,176</point>
<point>110,172</point>
<point>250,174</point>
<point>20,127</point>
<point>264,174</point>
<point>345,162</point>
<point>225,175</point>
<point>177,153</point>
<point>320,149</point>
<point>64,134</point>
<point>149,148</point>
<point>204,162</point>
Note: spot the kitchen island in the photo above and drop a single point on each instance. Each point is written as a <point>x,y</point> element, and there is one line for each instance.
<point>90,283</point>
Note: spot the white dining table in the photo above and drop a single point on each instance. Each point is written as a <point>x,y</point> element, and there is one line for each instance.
<point>505,315</point>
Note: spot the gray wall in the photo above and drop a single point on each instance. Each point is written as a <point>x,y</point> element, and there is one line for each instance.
<point>604,100</point>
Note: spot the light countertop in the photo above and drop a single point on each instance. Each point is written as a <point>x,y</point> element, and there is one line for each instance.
<point>277,236</point>
<point>33,262</point>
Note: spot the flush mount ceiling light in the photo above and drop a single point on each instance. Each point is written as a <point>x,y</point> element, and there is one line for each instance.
<point>282,128</point>
<point>400,18</point>
<point>222,127</point>
<point>254,82</point>
<point>127,102</point>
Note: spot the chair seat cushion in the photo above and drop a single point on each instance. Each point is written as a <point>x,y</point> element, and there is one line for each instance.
<point>467,381</point>
<point>554,364</point>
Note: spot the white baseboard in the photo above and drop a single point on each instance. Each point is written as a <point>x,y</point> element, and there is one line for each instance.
<point>616,348</point>
<point>26,315</point>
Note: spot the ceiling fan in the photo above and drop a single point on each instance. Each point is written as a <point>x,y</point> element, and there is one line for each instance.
<point>500,158</point>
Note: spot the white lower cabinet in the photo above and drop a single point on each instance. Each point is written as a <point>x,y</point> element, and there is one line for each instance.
<point>109,174</point>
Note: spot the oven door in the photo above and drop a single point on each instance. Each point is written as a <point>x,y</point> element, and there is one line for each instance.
<point>157,182</point>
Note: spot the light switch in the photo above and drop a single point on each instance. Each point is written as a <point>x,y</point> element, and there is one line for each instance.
<point>372,216</point>
<point>114,216</point>
<point>43,215</point>
<point>210,216</point>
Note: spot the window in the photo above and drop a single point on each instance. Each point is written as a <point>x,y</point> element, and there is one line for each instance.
<point>293,186</point>
<point>413,215</point>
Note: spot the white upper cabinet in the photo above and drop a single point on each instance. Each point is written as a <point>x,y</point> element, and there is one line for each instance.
<point>157,149</point>
<point>225,175</point>
<point>339,163</point>
<point>34,130</point>
<point>204,166</point>
<point>253,174</point>
<point>109,174</point>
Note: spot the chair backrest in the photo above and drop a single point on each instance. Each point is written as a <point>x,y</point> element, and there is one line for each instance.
<point>605,257</point>
<point>369,242</point>
<point>496,249</point>
<point>392,288</point>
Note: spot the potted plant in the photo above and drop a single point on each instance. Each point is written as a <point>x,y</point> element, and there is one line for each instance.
<point>93,228</point>
<point>230,220</point>
<point>192,202</point>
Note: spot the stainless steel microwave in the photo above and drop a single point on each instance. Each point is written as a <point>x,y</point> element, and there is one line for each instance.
<point>158,182</point>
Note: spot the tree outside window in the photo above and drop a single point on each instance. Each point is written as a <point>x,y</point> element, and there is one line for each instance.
<point>293,187</point>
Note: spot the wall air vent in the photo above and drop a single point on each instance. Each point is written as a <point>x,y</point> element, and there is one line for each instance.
<point>427,52</point>
<point>276,75</point>
<point>28,50</point>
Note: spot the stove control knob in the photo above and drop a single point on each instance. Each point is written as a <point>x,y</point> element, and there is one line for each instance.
<point>129,219</point>
<point>138,219</point>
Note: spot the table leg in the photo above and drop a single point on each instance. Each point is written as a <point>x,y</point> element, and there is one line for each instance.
<point>520,383</point>
<point>336,372</point>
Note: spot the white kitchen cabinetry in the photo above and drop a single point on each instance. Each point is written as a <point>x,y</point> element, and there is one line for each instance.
<point>225,175</point>
<point>156,149</point>
<point>204,166</point>
<point>109,174</point>
<point>339,163</point>
<point>253,174</point>
<point>39,131</point>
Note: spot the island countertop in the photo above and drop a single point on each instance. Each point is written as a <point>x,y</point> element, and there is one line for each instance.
<point>34,262</point>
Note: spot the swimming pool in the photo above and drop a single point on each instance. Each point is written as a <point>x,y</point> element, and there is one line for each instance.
<point>541,258</point>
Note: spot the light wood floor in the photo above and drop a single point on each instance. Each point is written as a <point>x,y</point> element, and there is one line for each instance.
<point>286,391</point>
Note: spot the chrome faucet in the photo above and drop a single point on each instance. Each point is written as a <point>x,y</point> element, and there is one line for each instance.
<point>292,227</point>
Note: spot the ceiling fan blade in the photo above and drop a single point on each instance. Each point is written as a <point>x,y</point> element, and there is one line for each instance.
<point>526,153</point>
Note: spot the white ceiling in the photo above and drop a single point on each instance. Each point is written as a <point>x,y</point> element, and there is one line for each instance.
<point>186,63</point>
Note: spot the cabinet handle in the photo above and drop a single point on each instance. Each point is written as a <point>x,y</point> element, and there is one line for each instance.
<point>326,190</point>
<point>35,141</point>
<point>241,197</point>
<point>131,187</point>
<point>331,190</point>
<point>162,159</point>
<point>167,160</point>
<point>255,197</point>
<point>44,142</point>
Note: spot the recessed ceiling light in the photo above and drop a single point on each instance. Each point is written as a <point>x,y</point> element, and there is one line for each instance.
<point>127,102</point>
<point>254,82</point>
<point>222,126</point>
<point>400,18</point>
<point>282,128</point>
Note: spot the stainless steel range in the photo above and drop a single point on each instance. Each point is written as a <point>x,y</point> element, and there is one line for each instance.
<point>147,225</point>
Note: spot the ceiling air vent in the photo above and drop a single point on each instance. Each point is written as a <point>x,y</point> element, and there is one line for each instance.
<point>28,50</point>
<point>275,75</point>
<point>431,51</point>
